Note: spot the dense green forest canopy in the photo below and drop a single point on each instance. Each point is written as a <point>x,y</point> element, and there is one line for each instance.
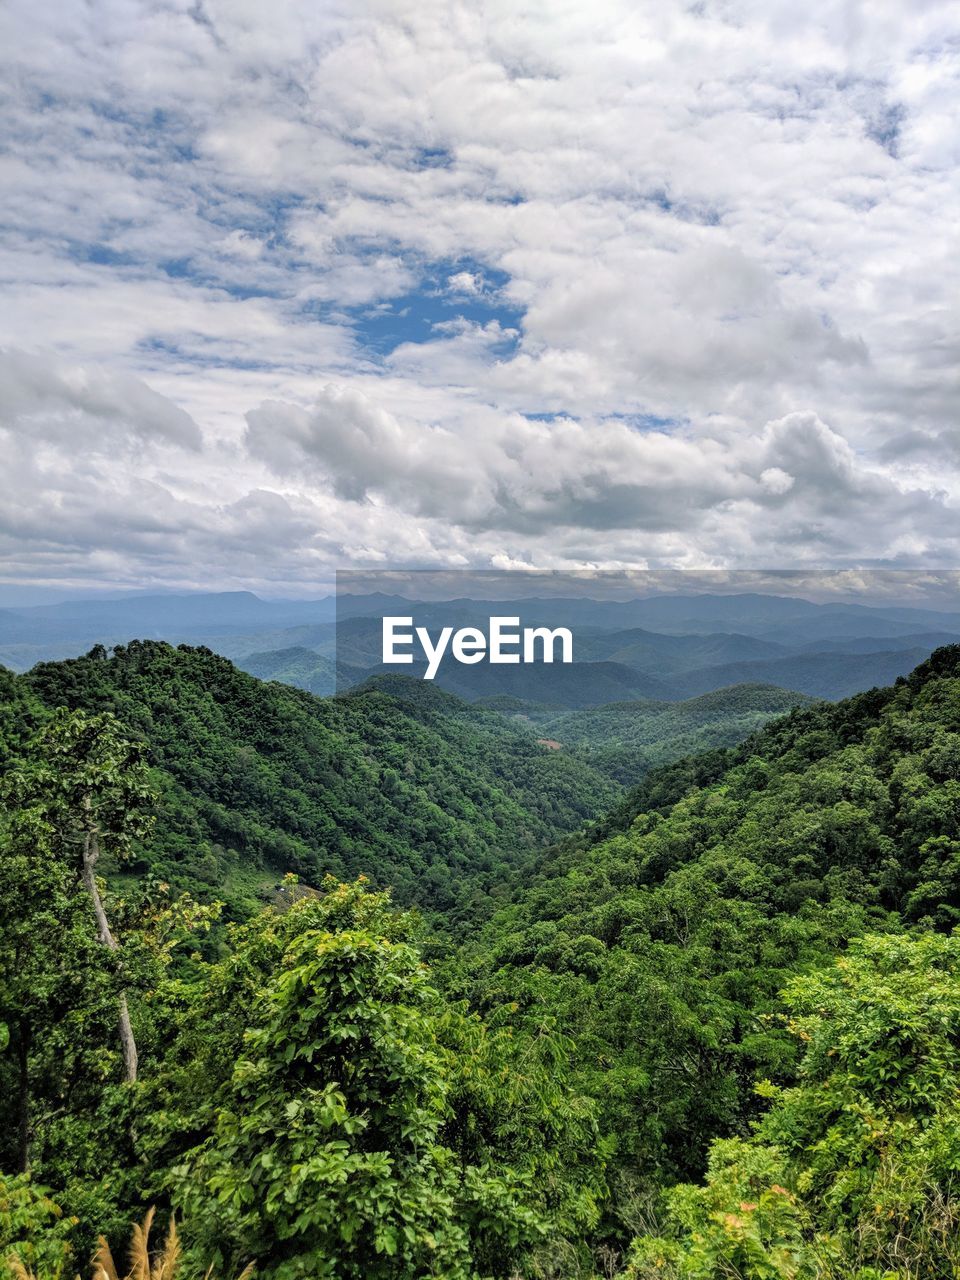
<point>744,980</point>
<point>659,945</point>
<point>397,780</point>
<point>627,739</point>
<point>427,795</point>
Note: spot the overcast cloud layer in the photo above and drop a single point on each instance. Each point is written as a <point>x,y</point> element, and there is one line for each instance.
<point>296,286</point>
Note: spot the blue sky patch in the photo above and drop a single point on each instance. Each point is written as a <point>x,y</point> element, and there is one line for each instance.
<point>448,291</point>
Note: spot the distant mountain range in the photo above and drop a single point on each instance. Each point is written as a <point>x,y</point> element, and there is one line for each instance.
<point>667,647</point>
<point>52,631</point>
<point>777,618</point>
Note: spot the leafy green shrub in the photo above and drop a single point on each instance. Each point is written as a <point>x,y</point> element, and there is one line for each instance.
<point>855,1170</point>
<point>33,1229</point>
<point>361,1127</point>
<point>743,1222</point>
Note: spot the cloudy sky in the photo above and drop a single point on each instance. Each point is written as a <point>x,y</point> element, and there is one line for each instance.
<point>316,283</point>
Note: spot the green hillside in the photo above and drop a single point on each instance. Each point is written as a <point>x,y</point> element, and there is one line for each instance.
<point>626,739</point>
<point>435,798</point>
<point>662,947</point>
<point>297,666</point>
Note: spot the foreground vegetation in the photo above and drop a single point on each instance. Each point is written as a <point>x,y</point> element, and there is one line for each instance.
<point>718,1035</point>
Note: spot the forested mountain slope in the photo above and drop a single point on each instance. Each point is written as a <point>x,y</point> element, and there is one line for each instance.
<point>662,947</point>
<point>297,666</point>
<point>821,675</point>
<point>397,780</point>
<point>627,739</point>
<point>436,799</point>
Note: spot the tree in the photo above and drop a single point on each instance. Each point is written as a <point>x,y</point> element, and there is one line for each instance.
<point>873,1124</point>
<point>85,787</point>
<point>855,1169</point>
<point>348,1123</point>
<point>54,989</point>
<point>64,1115</point>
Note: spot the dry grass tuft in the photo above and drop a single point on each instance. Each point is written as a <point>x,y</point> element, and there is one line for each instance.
<point>162,1266</point>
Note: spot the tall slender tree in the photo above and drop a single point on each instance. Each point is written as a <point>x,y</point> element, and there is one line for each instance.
<point>55,991</point>
<point>87,787</point>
